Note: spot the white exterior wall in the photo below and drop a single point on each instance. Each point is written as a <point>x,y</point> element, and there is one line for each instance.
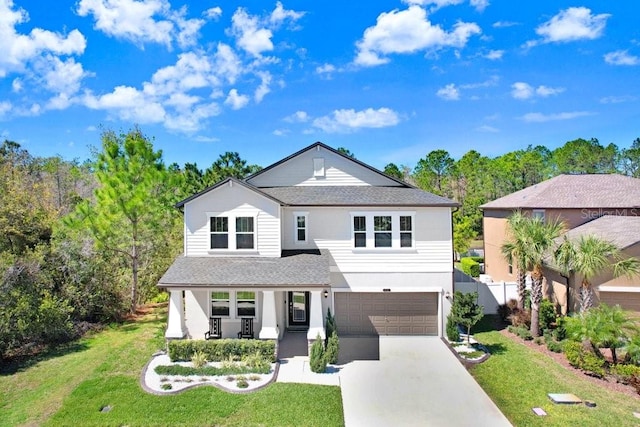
<point>337,171</point>
<point>232,200</point>
<point>331,228</point>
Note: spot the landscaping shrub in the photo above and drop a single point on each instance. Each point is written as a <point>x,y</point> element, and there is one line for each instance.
<point>470,266</point>
<point>330,325</point>
<point>257,362</point>
<point>560,332</point>
<point>219,350</point>
<point>317,359</point>
<point>208,370</point>
<point>554,346</point>
<point>453,334</point>
<point>520,318</point>
<point>624,372</point>
<point>580,358</point>
<point>547,314</point>
<point>522,331</point>
<point>333,347</point>
<point>199,359</point>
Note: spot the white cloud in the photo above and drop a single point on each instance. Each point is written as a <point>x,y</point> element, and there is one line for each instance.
<point>504,24</point>
<point>213,13</point>
<point>408,31</point>
<point>297,117</point>
<point>263,89</point>
<point>487,128</point>
<point>621,57</point>
<point>227,64</point>
<point>617,99</point>
<point>202,138</point>
<point>344,121</point>
<point>16,85</point>
<point>494,55</point>
<point>522,90</point>
<point>479,5</point>
<point>572,24</point>
<point>5,107</point>
<point>326,69</point>
<point>281,132</point>
<point>280,15</point>
<point>541,118</point>
<point>235,100</point>
<point>449,93</point>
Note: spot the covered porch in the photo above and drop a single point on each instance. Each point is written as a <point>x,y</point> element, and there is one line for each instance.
<point>217,297</point>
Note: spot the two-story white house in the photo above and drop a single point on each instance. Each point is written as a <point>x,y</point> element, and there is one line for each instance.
<point>317,230</point>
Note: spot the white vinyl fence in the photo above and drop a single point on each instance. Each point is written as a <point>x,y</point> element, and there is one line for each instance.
<point>490,294</point>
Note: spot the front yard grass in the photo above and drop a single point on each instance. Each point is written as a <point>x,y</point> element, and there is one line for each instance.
<point>518,379</point>
<point>73,384</point>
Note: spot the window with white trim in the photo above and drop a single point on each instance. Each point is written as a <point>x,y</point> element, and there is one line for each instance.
<point>538,213</point>
<point>220,232</point>
<point>246,304</point>
<point>244,232</point>
<point>219,304</point>
<point>300,224</point>
<point>390,230</point>
<point>359,231</point>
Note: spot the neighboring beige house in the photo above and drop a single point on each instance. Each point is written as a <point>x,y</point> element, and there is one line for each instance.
<point>314,231</point>
<point>604,205</point>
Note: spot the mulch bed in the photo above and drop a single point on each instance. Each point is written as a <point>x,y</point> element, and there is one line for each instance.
<point>608,383</point>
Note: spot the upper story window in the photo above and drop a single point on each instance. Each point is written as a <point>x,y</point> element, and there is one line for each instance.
<point>393,230</point>
<point>382,231</point>
<point>244,232</point>
<point>300,231</point>
<point>241,235</point>
<point>360,231</point>
<point>220,232</point>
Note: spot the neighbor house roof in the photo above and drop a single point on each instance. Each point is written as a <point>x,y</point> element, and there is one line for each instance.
<point>355,196</point>
<point>294,268</point>
<point>574,191</point>
<point>622,231</point>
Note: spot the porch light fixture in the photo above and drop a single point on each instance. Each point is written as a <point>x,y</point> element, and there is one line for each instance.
<point>447,295</point>
<point>326,293</point>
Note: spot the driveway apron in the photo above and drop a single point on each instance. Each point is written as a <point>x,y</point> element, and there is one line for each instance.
<point>416,382</point>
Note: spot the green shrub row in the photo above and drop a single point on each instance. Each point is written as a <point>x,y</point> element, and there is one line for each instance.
<point>624,372</point>
<point>208,370</point>
<point>471,265</point>
<point>580,358</point>
<point>521,331</point>
<point>219,350</point>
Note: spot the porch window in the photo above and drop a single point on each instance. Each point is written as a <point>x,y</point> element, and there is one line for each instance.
<point>382,231</point>
<point>359,231</point>
<point>219,232</point>
<point>246,304</point>
<point>300,231</point>
<point>406,232</point>
<point>219,304</point>
<point>244,232</point>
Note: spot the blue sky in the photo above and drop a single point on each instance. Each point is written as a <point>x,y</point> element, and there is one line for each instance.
<point>389,80</point>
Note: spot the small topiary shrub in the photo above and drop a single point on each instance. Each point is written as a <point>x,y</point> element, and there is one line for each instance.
<point>453,334</point>
<point>573,351</point>
<point>547,314</point>
<point>242,382</point>
<point>333,348</point>
<point>470,266</point>
<point>317,359</point>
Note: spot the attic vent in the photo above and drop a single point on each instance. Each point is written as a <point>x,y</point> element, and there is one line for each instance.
<point>318,167</point>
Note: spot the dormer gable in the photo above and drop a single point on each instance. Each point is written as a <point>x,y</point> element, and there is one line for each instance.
<point>321,165</point>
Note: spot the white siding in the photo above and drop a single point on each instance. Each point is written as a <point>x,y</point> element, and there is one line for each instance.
<point>232,200</point>
<point>337,171</point>
<point>330,228</point>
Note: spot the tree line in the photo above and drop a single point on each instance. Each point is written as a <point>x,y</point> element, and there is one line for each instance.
<point>85,243</point>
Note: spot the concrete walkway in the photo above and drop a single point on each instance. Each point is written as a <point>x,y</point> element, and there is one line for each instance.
<point>416,382</point>
<point>294,363</point>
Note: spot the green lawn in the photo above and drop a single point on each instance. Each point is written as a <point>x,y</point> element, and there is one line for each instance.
<point>70,387</point>
<point>518,379</point>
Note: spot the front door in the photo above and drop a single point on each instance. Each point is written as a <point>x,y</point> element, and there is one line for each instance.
<point>298,309</point>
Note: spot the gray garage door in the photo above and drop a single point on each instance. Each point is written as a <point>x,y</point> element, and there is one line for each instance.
<point>402,313</point>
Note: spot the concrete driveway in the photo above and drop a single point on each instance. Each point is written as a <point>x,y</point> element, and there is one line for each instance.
<point>416,382</point>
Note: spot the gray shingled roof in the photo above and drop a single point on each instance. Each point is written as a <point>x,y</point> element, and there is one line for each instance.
<point>574,191</point>
<point>622,231</point>
<point>292,269</point>
<point>355,196</point>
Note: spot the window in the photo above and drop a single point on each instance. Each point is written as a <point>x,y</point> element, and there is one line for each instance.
<point>219,232</point>
<point>244,232</point>
<point>300,232</point>
<point>538,213</point>
<point>360,231</point>
<point>406,232</point>
<point>219,304</point>
<point>382,231</point>
<point>246,304</point>
<point>318,167</point>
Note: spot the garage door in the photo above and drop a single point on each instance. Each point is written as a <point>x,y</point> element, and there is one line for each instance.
<point>626,300</point>
<point>405,313</point>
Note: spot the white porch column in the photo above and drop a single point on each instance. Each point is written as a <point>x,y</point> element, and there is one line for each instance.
<point>316,320</point>
<point>175,327</point>
<point>269,322</point>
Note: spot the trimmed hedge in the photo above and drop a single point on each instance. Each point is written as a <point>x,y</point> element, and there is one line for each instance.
<point>220,350</point>
<point>207,370</point>
<point>471,265</point>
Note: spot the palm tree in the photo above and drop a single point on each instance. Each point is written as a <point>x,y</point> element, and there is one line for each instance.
<point>540,236</point>
<point>589,256</point>
<point>514,250</point>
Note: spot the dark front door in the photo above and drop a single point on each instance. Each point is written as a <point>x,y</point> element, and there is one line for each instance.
<point>298,309</point>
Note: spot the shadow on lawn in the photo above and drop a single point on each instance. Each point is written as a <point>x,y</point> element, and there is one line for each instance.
<point>490,322</point>
<point>496,348</point>
<point>23,362</point>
